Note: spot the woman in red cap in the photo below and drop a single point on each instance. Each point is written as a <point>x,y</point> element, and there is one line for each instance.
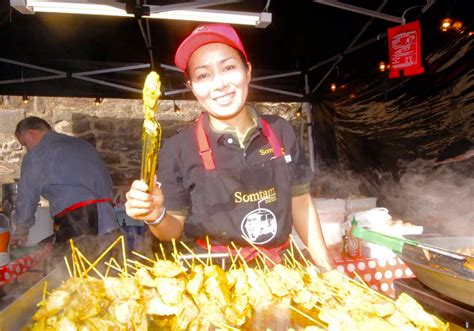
<point>235,176</point>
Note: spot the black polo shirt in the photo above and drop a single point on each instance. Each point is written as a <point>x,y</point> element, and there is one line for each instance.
<point>181,168</point>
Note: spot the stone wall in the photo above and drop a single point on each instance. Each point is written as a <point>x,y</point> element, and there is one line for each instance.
<point>113,127</point>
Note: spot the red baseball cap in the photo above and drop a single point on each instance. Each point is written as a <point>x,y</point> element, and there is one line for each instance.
<point>207,34</point>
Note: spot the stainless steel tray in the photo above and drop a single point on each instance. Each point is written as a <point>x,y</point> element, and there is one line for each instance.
<point>18,314</point>
<point>454,282</point>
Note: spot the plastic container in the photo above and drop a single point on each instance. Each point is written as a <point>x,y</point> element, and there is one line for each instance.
<point>370,218</point>
<point>354,205</point>
<point>331,214</point>
<point>43,227</point>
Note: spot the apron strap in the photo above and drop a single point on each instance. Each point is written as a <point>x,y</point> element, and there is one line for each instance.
<point>205,149</point>
<point>272,138</point>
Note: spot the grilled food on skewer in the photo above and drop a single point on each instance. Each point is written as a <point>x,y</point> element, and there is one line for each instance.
<point>166,296</point>
<point>151,129</point>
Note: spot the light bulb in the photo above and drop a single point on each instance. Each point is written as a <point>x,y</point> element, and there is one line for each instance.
<point>446,24</point>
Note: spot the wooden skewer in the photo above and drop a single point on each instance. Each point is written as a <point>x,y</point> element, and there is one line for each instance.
<point>292,251</point>
<point>318,323</point>
<point>192,253</point>
<point>300,252</point>
<point>295,261</point>
<point>259,250</point>
<point>104,254</point>
<point>131,266</point>
<point>143,257</point>
<point>300,266</point>
<point>81,261</point>
<point>209,258</point>
<point>68,267</point>
<point>288,262</point>
<point>175,250</point>
<point>71,244</point>
<point>45,290</point>
<point>231,257</point>
<point>124,255</point>
<point>156,257</point>
<point>113,267</point>
<point>82,257</point>
<point>242,260</point>
<point>75,261</point>
<point>162,251</point>
<point>77,265</point>
<point>186,261</point>
<point>107,270</point>
<point>140,264</point>
<point>116,264</point>
<point>265,267</point>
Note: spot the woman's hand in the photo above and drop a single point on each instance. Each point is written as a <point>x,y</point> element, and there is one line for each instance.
<point>141,205</point>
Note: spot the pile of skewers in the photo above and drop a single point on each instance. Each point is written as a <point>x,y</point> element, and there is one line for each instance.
<point>170,293</point>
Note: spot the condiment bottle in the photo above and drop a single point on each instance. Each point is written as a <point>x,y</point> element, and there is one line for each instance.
<point>353,243</point>
<point>345,245</point>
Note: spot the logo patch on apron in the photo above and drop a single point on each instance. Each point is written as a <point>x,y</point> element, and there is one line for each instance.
<point>259,226</point>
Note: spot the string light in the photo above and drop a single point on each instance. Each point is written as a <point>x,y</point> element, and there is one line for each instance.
<point>333,87</point>
<point>298,113</point>
<point>446,24</point>
<point>98,101</point>
<point>25,99</point>
<point>457,25</point>
<point>382,66</point>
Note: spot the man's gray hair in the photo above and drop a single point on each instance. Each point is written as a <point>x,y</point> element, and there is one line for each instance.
<point>32,123</point>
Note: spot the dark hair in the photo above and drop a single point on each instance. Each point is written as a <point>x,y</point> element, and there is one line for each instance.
<point>32,123</point>
<point>242,57</point>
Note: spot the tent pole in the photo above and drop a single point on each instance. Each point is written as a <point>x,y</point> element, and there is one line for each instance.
<point>356,38</point>
<point>360,10</point>
<point>306,110</point>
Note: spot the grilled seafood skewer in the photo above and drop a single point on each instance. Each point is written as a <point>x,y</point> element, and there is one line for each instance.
<point>151,129</point>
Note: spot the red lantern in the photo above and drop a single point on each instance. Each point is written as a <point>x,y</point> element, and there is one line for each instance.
<point>404,49</point>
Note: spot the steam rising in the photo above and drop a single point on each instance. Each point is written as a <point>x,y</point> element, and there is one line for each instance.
<point>440,198</point>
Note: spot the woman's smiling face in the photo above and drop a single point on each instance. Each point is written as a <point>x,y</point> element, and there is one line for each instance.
<point>219,79</point>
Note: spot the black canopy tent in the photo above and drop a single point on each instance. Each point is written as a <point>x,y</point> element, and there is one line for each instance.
<point>374,126</point>
<point>294,58</point>
<point>307,46</point>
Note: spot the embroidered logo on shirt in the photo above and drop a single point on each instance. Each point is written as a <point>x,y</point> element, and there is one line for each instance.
<point>260,225</point>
